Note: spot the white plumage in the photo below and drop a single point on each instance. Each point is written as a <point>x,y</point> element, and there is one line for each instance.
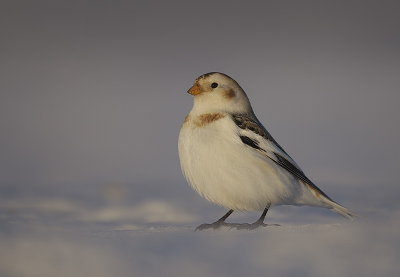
<point>230,159</point>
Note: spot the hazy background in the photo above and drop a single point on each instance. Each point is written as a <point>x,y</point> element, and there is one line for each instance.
<point>92,96</point>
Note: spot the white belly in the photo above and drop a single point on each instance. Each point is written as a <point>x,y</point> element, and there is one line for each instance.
<point>225,171</point>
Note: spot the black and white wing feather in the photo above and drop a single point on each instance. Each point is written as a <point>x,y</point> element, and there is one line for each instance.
<point>253,134</point>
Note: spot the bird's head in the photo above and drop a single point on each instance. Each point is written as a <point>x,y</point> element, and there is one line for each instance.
<point>217,92</point>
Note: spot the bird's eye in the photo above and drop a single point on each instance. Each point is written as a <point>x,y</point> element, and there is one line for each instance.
<point>214,85</point>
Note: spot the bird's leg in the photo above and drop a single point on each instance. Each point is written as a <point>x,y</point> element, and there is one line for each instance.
<point>220,222</point>
<point>222,219</point>
<point>258,223</point>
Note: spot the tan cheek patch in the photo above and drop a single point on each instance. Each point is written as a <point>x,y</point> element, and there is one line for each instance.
<point>208,118</point>
<point>229,94</point>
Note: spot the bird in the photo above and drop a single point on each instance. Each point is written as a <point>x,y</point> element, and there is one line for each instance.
<point>229,158</point>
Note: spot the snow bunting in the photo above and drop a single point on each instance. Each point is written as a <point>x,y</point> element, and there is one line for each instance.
<point>230,159</point>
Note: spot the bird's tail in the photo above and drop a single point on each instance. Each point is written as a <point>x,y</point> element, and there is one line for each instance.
<point>330,204</point>
<point>341,210</point>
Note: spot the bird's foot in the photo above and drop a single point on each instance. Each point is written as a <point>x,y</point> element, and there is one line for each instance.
<point>214,226</point>
<point>252,226</point>
<point>237,226</point>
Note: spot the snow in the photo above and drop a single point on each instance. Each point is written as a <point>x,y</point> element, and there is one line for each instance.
<point>49,237</point>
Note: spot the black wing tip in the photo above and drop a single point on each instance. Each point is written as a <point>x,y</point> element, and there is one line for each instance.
<point>250,142</point>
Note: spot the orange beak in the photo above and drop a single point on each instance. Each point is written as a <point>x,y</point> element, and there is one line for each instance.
<point>195,89</point>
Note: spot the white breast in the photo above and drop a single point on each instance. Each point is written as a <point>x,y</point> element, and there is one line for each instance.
<point>223,170</point>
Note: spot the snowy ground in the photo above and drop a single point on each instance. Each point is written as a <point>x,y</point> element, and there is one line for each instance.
<point>54,237</point>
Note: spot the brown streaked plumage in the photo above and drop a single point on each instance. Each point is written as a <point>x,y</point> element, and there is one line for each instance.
<point>187,118</point>
<point>205,119</point>
<point>207,75</point>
